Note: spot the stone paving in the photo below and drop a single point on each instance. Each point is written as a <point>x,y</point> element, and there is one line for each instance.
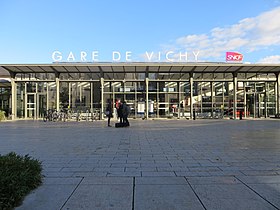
<point>154,164</point>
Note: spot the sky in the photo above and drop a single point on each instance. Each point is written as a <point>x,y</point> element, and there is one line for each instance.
<point>137,31</point>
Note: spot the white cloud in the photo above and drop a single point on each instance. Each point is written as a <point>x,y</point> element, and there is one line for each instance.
<point>248,35</point>
<point>270,59</point>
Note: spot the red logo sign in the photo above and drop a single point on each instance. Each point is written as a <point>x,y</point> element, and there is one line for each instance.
<point>234,56</point>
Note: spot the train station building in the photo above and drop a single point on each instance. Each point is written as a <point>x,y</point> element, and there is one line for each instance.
<point>152,90</point>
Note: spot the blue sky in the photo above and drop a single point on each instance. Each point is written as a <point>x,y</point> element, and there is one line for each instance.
<point>32,30</point>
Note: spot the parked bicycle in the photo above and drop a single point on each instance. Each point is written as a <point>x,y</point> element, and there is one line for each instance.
<point>54,115</point>
<point>48,115</point>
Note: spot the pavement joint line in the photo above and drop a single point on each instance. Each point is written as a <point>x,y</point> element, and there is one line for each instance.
<point>243,173</point>
<point>82,178</point>
<point>257,193</point>
<point>195,193</point>
<point>133,193</point>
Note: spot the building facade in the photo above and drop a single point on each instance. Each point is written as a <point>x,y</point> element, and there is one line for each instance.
<point>152,90</point>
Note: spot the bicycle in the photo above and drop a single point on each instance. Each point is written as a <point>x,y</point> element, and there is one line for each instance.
<point>48,115</point>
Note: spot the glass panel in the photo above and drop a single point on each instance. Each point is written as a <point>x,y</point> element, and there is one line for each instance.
<point>152,87</point>
<point>271,99</point>
<point>118,86</point>
<point>80,96</point>
<point>52,95</point>
<point>107,86</point>
<point>228,99</point>
<point>206,106</point>
<point>31,105</point>
<point>129,87</point>
<point>218,106</point>
<point>31,87</point>
<point>5,94</point>
<point>20,100</point>
<point>64,95</point>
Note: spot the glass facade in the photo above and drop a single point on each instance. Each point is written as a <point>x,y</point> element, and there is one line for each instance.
<point>159,94</point>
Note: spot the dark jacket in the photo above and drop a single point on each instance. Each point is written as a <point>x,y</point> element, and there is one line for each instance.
<point>109,110</point>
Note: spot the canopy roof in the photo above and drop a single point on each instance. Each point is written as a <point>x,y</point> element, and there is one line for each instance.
<point>4,83</point>
<point>139,68</point>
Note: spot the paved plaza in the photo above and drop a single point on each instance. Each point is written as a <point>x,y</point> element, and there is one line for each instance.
<point>153,164</point>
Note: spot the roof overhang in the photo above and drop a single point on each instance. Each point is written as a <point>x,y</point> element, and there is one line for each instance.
<point>5,83</point>
<point>139,68</point>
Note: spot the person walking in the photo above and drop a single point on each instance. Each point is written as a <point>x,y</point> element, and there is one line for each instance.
<point>108,112</point>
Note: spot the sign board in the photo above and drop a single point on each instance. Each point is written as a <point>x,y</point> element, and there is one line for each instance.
<point>141,108</point>
<point>234,57</point>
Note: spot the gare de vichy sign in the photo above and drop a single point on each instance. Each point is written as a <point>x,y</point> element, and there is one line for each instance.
<point>127,56</point>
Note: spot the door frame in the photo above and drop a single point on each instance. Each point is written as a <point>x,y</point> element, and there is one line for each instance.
<point>30,106</point>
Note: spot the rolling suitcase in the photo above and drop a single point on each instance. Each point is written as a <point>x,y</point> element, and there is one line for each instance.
<point>126,124</point>
<point>119,125</point>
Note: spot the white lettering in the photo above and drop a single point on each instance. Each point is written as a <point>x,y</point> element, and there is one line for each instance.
<point>183,55</point>
<point>95,55</point>
<point>149,56</point>
<point>196,55</point>
<point>167,56</point>
<point>128,56</point>
<point>56,56</point>
<point>118,54</point>
<point>83,56</point>
<point>71,57</point>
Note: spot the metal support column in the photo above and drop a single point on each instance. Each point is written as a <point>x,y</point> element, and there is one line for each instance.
<point>245,100</point>
<point>114,102</point>
<point>191,96</point>
<point>278,93</point>
<point>80,91</point>
<point>179,100</point>
<point>69,94</point>
<point>223,106</point>
<point>234,95</point>
<point>102,98</point>
<point>212,99</point>
<point>147,97</point>
<point>157,99</point>
<point>91,98</point>
<point>255,100</point>
<point>47,96</point>
<point>36,100</point>
<point>25,100</point>
<point>135,100</point>
<point>265,99</point>
<point>14,97</point>
<point>147,91</point>
<point>57,92</point>
<point>201,98</point>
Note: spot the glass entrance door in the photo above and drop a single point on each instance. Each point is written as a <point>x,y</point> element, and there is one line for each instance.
<point>31,106</point>
<point>36,105</point>
<point>41,104</point>
<point>260,105</point>
<point>256,105</point>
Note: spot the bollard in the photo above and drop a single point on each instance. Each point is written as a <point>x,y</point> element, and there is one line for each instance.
<point>240,115</point>
<point>194,114</point>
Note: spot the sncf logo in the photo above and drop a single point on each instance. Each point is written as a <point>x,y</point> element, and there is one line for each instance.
<point>234,56</point>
